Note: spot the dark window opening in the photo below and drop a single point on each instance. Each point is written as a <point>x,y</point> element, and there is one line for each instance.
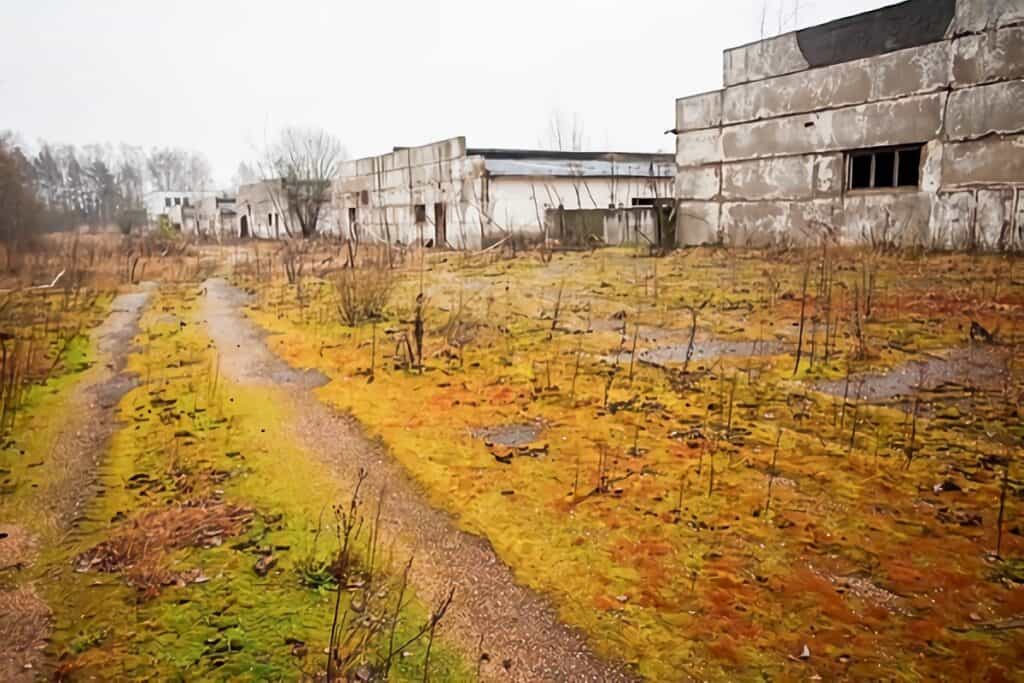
<point>177,201</point>
<point>860,171</point>
<point>184,201</point>
<point>910,168</point>
<point>884,168</point>
<point>643,201</point>
<point>364,197</point>
<point>167,201</point>
<point>420,213</point>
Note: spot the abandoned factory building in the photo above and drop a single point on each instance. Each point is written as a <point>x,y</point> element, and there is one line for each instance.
<point>450,195</point>
<point>900,126</point>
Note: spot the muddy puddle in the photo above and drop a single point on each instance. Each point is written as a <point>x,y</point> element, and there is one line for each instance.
<point>950,374</point>
<point>511,435</point>
<point>704,349</point>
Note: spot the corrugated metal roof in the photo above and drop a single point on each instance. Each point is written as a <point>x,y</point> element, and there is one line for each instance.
<point>582,168</point>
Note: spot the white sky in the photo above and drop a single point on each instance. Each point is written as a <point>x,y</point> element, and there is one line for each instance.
<point>221,75</point>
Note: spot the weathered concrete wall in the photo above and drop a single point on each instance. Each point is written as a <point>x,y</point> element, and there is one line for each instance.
<point>633,226</point>
<point>765,160</point>
<point>377,196</point>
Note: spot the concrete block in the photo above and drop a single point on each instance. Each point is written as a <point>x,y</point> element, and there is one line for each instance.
<point>697,182</point>
<point>973,16</point>
<point>699,111</point>
<point>888,218</point>
<point>795,178</point>
<point>907,72</point>
<point>764,59</point>
<point>981,110</point>
<point>770,223</point>
<point>697,223</point>
<point>992,160</point>
<point>893,122</point>
<point>990,56</point>
<point>994,219</point>
<point>699,147</point>
<point>951,223</point>
<point>366,166</point>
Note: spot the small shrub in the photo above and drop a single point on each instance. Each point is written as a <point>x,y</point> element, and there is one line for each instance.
<point>363,292</point>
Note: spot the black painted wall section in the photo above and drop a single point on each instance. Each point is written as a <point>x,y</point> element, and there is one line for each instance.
<point>909,24</point>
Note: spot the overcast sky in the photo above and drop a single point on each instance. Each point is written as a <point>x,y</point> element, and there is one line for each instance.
<point>221,75</point>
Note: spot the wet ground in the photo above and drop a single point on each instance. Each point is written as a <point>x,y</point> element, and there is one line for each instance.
<point>512,435</point>
<point>956,372</point>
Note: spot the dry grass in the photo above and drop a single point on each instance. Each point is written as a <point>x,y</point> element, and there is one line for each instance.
<point>364,291</point>
<point>140,550</point>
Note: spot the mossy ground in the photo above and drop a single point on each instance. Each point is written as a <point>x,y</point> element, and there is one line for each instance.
<point>191,439</point>
<point>641,508</point>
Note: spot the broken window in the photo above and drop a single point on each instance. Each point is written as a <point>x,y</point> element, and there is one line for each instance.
<point>420,213</point>
<point>643,201</point>
<point>884,168</point>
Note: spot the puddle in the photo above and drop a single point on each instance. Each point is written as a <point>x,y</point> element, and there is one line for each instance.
<point>512,435</point>
<point>703,349</point>
<point>965,369</point>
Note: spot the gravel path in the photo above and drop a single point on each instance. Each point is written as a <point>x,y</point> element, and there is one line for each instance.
<point>89,421</point>
<point>522,636</point>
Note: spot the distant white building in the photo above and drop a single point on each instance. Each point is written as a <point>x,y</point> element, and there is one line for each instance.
<point>171,203</point>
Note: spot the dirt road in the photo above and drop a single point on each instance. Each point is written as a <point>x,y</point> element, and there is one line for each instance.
<point>522,636</point>
<point>68,485</point>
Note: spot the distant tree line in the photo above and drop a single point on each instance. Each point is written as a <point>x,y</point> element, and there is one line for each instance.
<point>58,187</point>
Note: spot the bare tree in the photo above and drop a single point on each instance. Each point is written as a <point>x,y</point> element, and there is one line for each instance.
<point>298,171</point>
<point>172,169</point>
<point>564,134</point>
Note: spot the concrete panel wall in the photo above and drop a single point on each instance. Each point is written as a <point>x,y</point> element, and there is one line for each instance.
<point>992,161</point>
<point>700,182</point>
<point>770,151</point>
<point>994,219</point>
<point>991,56</point>
<point>699,147</point>
<point>899,218</point>
<point>985,109</point>
<point>764,59</point>
<point>913,119</point>
<point>799,177</point>
<point>699,111</point>
<point>908,72</point>
<point>697,223</point>
<point>763,224</point>
<point>974,16</point>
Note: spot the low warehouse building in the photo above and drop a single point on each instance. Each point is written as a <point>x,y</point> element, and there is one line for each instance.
<point>449,195</point>
<point>902,126</point>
